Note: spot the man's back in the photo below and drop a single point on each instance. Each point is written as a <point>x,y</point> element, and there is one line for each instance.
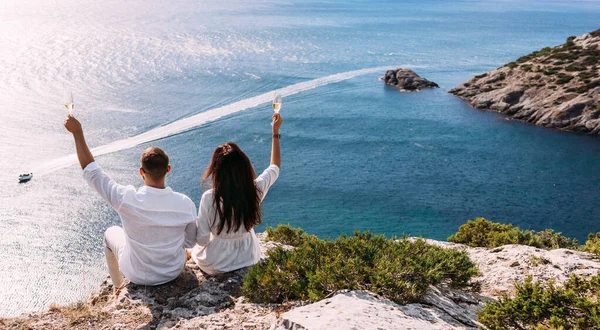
<point>158,224</point>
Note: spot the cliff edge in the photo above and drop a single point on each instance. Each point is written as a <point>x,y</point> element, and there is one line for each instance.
<point>555,87</point>
<point>197,301</point>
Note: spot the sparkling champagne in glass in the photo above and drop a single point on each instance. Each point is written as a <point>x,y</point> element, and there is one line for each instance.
<point>277,103</point>
<point>69,103</point>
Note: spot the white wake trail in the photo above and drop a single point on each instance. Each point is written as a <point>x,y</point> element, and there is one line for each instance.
<point>194,121</point>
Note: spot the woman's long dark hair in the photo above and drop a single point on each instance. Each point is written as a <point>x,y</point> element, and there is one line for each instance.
<point>236,197</point>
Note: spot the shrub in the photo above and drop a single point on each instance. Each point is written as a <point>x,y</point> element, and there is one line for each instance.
<point>554,240</point>
<point>563,56</point>
<point>512,65</point>
<point>591,60</point>
<point>398,270</point>
<point>539,306</point>
<point>586,75</point>
<point>592,245</point>
<point>575,67</point>
<point>563,78</point>
<point>526,67</point>
<point>593,84</point>
<point>288,235</point>
<point>485,233</point>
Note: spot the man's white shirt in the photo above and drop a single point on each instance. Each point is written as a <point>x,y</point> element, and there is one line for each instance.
<point>158,224</point>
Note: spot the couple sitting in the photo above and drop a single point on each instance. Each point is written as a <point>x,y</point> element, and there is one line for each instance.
<point>158,223</point>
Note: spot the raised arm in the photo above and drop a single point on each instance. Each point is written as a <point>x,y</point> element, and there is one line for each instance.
<point>92,173</point>
<point>83,151</point>
<point>275,151</point>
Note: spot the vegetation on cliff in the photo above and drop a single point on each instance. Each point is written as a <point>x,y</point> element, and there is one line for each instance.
<point>537,305</point>
<point>484,233</point>
<point>400,270</point>
<point>301,267</point>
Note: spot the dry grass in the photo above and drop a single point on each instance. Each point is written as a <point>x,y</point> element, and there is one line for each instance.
<point>78,316</point>
<point>80,313</point>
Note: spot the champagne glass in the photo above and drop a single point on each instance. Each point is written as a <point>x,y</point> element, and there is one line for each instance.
<point>276,104</point>
<point>69,103</point>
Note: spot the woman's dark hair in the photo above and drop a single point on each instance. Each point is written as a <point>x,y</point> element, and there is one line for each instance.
<point>236,197</point>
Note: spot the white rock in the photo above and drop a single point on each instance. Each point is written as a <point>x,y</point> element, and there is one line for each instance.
<point>365,310</point>
<point>498,273</point>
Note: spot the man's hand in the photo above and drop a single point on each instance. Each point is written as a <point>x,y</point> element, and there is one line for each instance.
<point>73,125</point>
<point>83,152</point>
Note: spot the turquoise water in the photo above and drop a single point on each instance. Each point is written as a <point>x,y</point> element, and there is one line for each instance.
<point>356,154</point>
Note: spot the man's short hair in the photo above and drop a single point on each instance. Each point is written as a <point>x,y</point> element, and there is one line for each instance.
<point>155,163</point>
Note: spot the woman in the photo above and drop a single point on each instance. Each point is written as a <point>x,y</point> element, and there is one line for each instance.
<point>229,211</point>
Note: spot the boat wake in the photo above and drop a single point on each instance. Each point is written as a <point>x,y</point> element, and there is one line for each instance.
<point>200,119</point>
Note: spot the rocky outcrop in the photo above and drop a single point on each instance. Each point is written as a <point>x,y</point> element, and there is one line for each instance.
<point>501,267</point>
<point>197,301</point>
<point>366,310</point>
<point>445,308</point>
<point>407,80</point>
<point>554,87</point>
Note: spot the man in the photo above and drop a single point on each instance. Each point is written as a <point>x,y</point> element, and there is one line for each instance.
<point>158,223</point>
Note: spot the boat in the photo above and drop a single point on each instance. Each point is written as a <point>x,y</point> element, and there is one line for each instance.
<point>25,177</point>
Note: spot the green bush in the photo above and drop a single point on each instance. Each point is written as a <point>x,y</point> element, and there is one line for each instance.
<point>485,233</point>
<point>592,245</point>
<point>553,240</point>
<point>288,235</point>
<point>398,270</point>
<point>539,306</point>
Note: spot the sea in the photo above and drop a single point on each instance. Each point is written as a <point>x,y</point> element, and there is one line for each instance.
<point>187,76</point>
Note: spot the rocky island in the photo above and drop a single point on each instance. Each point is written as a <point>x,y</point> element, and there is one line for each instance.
<point>407,80</point>
<point>555,87</point>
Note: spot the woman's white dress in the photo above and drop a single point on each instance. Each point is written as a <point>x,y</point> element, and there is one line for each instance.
<point>227,251</point>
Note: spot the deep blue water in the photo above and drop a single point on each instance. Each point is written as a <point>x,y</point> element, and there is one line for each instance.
<point>355,154</point>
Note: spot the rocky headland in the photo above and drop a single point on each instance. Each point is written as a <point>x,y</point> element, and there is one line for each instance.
<point>407,80</point>
<point>196,301</point>
<point>555,87</point>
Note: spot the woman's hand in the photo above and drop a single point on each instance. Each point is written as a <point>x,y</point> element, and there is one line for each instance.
<point>277,121</point>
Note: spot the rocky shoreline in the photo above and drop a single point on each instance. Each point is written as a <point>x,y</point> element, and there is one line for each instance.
<point>554,87</point>
<point>196,301</point>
